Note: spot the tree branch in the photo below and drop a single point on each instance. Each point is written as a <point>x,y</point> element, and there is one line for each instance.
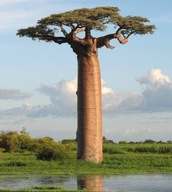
<point>119,29</point>
<point>78,30</point>
<point>118,35</point>
<point>121,38</point>
<point>87,32</point>
<point>63,30</point>
<point>130,34</point>
<point>73,36</point>
<point>105,40</point>
<point>60,40</point>
<point>49,38</point>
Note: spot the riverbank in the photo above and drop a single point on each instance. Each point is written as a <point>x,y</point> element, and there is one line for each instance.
<point>20,155</point>
<point>113,164</point>
<point>119,160</point>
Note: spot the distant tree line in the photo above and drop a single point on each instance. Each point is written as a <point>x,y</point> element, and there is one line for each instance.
<point>146,141</point>
<point>47,149</point>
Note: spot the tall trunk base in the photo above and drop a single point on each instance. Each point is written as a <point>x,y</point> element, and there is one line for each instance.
<point>89,132</point>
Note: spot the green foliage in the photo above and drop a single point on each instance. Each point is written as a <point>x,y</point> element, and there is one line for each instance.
<point>68,141</point>
<point>113,149</point>
<point>134,25</point>
<point>107,141</point>
<point>128,163</point>
<point>149,141</point>
<point>25,141</point>
<point>88,18</point>
<point>152,147</point>
<point>9,141</point>
<point>50,150</point>
<point>45,148</point>
<point>94,18</point>
<point>60,157</point>
<point>12,141</point>
<point>38,142</point>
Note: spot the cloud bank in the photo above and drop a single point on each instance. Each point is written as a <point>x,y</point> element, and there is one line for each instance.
<point>158,92</point>
<point>156,97</point>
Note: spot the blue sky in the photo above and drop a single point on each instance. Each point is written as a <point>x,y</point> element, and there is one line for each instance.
<point>38,79</point>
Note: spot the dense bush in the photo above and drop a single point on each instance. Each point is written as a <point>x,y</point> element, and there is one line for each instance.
<point>12,141</point>
<point>25,141</point>
<point>9,141</point>
<point>51,151</point>
<point>45,148</point>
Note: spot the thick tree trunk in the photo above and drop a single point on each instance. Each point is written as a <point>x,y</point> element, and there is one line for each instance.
<point>89,132</point>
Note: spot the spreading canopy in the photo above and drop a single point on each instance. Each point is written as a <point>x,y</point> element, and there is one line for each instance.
<point>87,19</point>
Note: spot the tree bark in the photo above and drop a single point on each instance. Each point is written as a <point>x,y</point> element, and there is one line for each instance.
<point>89,102</point>
<point>89,106</point>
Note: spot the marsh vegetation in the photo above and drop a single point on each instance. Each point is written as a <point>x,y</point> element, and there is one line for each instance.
<point>21,154</point>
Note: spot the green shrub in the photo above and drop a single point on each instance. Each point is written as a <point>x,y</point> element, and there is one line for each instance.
<point>13,141</point>
<point>9,141</point>
<point>52,151</point>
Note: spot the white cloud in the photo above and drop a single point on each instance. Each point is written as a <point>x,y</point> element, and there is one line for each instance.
<point>62,100</point>
<point>13,94</point>
<point>158,92</point>
<point>105,90</point>
<point>131,112</point>
<point>154,76</point>
<point>156,97</point>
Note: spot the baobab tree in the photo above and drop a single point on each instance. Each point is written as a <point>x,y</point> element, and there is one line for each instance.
<point>75,28</point>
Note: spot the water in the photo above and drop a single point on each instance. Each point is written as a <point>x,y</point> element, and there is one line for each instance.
<point>128,183</point>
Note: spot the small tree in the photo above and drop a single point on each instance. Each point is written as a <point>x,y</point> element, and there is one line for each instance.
<point>25,140</point>
<point>89,106</point>
<point>9,141</point>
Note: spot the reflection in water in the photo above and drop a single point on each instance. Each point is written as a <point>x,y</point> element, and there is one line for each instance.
<point>93,183</point>
<point>128,183</point>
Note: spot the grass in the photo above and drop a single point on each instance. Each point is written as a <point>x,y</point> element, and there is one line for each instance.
<point>118,159</point>
<point>160,148</point>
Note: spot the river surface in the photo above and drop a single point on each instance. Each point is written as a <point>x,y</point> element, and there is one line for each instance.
<point>98,183</point>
